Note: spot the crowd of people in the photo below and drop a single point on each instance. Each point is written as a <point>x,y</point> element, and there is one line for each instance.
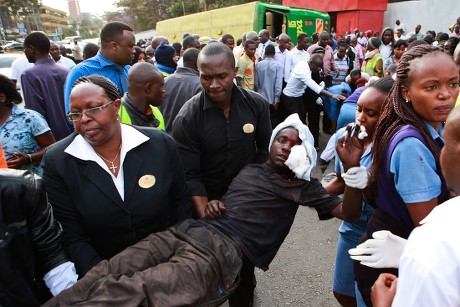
<point>163,174</point>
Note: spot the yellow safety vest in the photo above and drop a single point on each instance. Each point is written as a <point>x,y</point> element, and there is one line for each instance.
<point>125,119</point>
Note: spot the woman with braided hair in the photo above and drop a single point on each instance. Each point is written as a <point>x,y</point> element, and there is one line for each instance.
<point>111,184</point>
<point>406,180</point>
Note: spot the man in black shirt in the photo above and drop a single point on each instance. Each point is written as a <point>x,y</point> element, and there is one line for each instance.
<point>218,132</point>
<point>221,129</point>
<point>197,262</point>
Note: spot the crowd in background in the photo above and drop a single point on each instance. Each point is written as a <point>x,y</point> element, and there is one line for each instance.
<point>214,110</point>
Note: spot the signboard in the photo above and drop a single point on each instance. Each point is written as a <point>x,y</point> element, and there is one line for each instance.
<point>22,30</point>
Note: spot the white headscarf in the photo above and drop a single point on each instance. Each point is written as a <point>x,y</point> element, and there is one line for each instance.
<point>302,159</point>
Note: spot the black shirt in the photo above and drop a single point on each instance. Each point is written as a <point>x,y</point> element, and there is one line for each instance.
<point>213,148</point>
<point>261,206</point>
<point>139,118</point>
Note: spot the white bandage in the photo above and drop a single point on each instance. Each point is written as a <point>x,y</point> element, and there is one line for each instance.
<point>298,161</point>
<point>362,132</point>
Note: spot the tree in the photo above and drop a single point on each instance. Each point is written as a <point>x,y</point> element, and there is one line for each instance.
<point>16,5</point>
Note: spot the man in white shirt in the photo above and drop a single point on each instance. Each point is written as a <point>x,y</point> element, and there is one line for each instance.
<point>296,55</point>
<point>60,60</point>
<point>17,68</point>
<point>281,51</point>
<point>299,80</point>
<point>264,38</point>
<point>399,25</point>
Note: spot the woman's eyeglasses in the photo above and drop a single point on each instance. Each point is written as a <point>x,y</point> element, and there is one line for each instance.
<point>76,116</point>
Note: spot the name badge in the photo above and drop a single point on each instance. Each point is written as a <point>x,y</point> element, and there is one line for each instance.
<point>147,181</point>
<point>248,128</point>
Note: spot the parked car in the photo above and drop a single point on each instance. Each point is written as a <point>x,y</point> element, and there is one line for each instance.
<point>13,47</point>
<point>6,59</point>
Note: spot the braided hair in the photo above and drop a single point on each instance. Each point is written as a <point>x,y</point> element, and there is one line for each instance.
<point>109,87</point>
<point>397,112</point>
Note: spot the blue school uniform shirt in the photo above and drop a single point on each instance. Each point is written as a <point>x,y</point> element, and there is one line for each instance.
<point>414,168</point>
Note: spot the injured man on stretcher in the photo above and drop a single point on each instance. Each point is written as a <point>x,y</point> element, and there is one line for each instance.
<point>197,262</point>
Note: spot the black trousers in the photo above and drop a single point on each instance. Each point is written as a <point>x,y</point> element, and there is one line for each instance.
<point>313,110</point>
<point>291,105</point>
<point>243,296</point>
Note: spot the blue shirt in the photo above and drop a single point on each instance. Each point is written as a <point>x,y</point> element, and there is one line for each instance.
<point>366,209</point>
<point>269,80</point>
<point>18,134</point>
<point>414,169</point>
<point>99,65</point>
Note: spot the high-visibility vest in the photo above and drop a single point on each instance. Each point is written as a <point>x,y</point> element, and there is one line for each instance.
<point>126,119</point>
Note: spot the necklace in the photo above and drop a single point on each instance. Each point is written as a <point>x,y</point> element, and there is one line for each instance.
<point>113,167</point>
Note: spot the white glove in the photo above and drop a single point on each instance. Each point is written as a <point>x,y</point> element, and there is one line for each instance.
<point>322,84</point>
<point>356,177</point>
<point>384,251</point>
<point>319,101</point>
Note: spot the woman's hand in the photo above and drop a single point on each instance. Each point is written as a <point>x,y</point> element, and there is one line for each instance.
<point>349,147</point>
<point>214,209</point>
<point>18,160</point>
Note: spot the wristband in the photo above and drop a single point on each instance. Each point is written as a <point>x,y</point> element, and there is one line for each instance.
<point>30,158</point>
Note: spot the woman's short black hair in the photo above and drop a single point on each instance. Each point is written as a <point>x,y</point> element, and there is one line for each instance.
<point>8,88</point>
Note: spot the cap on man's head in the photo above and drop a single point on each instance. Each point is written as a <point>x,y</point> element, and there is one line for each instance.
<point>369,32</point>
<point>204,40</point>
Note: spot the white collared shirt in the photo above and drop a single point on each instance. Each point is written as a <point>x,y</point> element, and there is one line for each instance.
<point>299,80</point>
<point>66,63</point>
<point>130,138</point>
<point>294,57</point>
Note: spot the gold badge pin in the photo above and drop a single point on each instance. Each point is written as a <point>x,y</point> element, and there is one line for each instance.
<point>147,181</point>
<point>248,128</point>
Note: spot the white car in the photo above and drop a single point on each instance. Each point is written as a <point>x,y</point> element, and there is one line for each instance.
<point>6,60</point>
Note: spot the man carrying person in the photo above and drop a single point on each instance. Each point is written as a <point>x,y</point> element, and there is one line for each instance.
<point>197,262</point>
<point>218,132</point>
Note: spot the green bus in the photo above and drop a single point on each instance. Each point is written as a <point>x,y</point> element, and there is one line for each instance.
<point>239,19</point>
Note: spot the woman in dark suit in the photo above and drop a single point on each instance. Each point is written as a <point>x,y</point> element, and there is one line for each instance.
<point>111,184</point>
